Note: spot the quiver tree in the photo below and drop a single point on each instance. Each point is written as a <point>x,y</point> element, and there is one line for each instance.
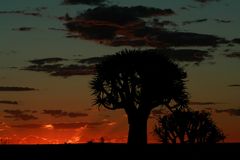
<point>138,81</point>
<point>186,126</point>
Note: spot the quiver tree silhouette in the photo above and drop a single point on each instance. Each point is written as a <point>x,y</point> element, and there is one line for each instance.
<point>186,126</point>
<point>138,81</point>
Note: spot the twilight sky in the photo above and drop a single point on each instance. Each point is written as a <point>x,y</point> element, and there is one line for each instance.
<point>48,48</point>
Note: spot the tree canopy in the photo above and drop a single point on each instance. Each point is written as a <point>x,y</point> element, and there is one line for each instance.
<point>143,78</point>
<point>183,126</point>
<point>138,81</point>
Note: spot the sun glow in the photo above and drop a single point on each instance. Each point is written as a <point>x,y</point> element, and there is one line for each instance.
<point>48,126</point>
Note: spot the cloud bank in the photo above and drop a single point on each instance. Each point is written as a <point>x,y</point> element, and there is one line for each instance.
<point>8,102</point>
<point>125,26</point>
<point>20,115</point>
<point>86,66</point>
<point>15,89</point>
<point>231,111</point>
<point>61,113</point>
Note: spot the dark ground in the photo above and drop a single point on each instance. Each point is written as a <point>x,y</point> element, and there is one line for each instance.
<point>119,151</point>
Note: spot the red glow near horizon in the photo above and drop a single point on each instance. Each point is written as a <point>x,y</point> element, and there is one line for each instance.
<point>51,136</point>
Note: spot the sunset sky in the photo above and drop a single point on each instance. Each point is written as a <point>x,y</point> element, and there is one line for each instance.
<point>45,68</point>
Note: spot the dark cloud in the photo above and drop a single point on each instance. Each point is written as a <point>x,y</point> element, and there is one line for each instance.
<point>188,7</point>
<point>223,21</point>
<point>106,24</point>
<point>51,66</point>
<point>146,36</point>
<point>56,29</point>
<point>89,31</point>
<point>206,1</point>
<point>47,60</point>
<point>233,55</point>
<point>159,38</point>
<point>65,71</point>
<point>180,55</point>
<point>60,69</point>
<point>72,70</point>
<point>156,23</point>
<point>86,66</point>
<point>123,15</point>
<point>165,23</point>
<point>61,113</point>
<point>230,44</point>
<point>236,40</point>
<point>15,89</point>
<point>88,2</point>
<point>234,85</point>
<point>232,111</point>
<point>19,115</point>
<point>187,55</point>
<point>91,60</point>
<point>76,114</point>
<point>23,29</point>
<point>65,18</point>
<point>21,13</point>
<point>8,102</point>
<point>202,103</point>
<point>195,21</point>
<point>30,111</point>
<point>125,26</point>
<point>32,14</point>
<point>184,8</point>
<point>226,50</point>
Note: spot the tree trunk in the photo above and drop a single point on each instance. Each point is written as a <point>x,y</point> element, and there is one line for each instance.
<point>137,133</point>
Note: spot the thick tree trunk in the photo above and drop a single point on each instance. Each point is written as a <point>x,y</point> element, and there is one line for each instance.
<point>137,133</point>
